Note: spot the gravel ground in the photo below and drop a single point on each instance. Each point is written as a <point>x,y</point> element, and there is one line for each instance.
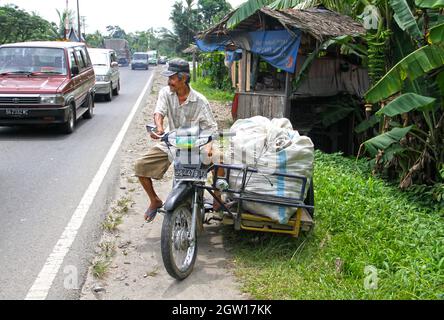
<point>129,264</point>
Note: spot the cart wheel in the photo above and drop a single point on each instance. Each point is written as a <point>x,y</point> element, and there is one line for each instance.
<point>309,201</point>
<point>178,253</point>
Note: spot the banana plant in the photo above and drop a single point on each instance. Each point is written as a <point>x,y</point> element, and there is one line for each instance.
<point>418,138</point>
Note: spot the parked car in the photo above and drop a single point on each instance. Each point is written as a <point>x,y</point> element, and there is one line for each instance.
<point>107,72</point>
<point>45,83</point>
<point>140,61</point>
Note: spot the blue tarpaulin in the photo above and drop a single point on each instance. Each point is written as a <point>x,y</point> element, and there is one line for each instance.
<point>279,48</point>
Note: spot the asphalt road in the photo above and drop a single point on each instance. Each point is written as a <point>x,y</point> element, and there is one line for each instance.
<point>43,176</point>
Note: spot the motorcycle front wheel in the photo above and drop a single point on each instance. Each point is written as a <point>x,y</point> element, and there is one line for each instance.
<point>178,252</point>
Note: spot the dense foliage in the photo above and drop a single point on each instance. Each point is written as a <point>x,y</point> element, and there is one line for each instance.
<point>370,242</point>
<point>17,25</point>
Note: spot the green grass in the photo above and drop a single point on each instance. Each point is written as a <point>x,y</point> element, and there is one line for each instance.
<point>360,221</point>
<point>200,85</point>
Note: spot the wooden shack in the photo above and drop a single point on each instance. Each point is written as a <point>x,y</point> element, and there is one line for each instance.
<point>267,90</point>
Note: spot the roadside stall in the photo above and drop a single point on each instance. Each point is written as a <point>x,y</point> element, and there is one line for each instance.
<point>266,54</point>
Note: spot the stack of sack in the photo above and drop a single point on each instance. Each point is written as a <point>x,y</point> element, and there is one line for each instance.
<point>270,146</point>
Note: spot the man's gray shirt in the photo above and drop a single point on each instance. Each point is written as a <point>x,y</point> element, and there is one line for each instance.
<point>195,111</point>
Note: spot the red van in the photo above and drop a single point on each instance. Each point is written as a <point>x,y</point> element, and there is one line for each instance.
<point>45,83</point>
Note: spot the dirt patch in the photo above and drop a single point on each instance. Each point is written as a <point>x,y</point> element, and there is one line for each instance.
<point>129,264</point>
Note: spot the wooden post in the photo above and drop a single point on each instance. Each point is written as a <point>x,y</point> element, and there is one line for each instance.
<point>248,73</point>
<point>242,71</point>
<point>233,74</point>
<point>288,89</point>
<point>194,66</point>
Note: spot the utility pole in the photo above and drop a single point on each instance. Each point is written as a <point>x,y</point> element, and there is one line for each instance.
<point>84,24</point>
<point>66,20</point>
<point>78,21</point>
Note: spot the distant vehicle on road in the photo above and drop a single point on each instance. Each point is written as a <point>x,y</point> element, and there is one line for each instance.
<point>140,61</point>
<point>121,47</point>
<point>152,57</point>
<point>107,72</point>
<point>45,83</point>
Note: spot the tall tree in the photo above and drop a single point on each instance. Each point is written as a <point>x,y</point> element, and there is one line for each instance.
<point>66,21</point>
<point>212,11</point>
<point>18,25</point>
<point>95,40</point>
<point>186,22</point>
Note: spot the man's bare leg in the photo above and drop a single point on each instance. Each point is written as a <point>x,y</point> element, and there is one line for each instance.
<point>155,201</point>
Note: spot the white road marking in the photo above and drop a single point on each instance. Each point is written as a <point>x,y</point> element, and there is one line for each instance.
<point>43,283</point>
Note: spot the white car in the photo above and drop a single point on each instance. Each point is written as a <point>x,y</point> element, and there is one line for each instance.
<point>107,72</point>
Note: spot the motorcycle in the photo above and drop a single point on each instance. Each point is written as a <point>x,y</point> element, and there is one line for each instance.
<point>185,211</point>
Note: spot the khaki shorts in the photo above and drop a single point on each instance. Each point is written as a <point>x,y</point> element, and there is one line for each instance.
<point>155,163</point>
<point>152,165</point>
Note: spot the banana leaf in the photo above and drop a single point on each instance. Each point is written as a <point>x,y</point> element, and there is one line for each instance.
<point>305,69</point>
<point>440,81</point>
<point>298,4</point>
<point>385,140</point>
<point>245,11</point>
<point>367,124</point>
<point>436,35</point>
<point>430,4</point>
<point>405,19</point>
<point>406,103</point>
<point>392,151</point>
<point>415,65</point>
<point>340,40</point>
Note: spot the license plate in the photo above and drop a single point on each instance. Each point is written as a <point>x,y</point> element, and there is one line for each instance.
<point>17,112</point>
<point>190,174</point>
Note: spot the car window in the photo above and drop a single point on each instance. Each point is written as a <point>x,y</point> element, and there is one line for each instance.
<point>72,58</point>
<point>31,59</point>
<point>99,58</point>
<point>80,59</point>
<point>113,57</point>
<point>86,57</point>
<point>140,56</point>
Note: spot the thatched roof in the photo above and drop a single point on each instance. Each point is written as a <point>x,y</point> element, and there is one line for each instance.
<point>191,49</point>
<point>321,24</point>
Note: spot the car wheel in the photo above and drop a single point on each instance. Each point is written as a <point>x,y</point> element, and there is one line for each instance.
<point>90,112</point>
<point>117,89</point>
<point>109,95</point>
<point>68,126</point>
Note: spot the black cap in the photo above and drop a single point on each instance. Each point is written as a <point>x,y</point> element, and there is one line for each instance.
<point>175,66</point>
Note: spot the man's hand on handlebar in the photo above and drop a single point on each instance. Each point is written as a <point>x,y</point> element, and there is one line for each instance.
<point>157,134</point>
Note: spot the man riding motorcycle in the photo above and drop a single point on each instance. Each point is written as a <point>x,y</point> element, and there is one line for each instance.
<point>183,107</point>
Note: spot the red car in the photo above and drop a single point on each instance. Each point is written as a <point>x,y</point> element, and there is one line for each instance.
<point>45,83</point>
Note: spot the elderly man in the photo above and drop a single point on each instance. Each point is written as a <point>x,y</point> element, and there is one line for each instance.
<point>183,107</point>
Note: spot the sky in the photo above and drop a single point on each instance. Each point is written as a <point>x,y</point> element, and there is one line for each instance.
<point>130,15</point>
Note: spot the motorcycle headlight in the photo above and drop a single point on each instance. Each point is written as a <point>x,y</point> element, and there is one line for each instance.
<point>103,78</point>
<point>52,99</point>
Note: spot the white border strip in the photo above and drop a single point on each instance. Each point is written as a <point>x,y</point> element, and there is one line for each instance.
<point>43,283</point>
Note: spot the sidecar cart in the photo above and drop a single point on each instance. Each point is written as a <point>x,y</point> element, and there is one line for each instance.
<point>249,207</point>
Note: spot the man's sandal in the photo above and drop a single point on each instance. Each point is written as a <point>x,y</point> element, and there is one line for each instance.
<point>150,214</point>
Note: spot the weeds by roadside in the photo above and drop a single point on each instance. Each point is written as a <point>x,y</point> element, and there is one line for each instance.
<point>371,241</point>
<point>102,261</point>
<point>210,93</point>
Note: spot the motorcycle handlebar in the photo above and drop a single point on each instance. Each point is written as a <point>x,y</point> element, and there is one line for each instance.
<point>164,136</point>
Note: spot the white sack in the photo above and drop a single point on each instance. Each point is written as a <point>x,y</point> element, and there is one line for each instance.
<point>271,146</point>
